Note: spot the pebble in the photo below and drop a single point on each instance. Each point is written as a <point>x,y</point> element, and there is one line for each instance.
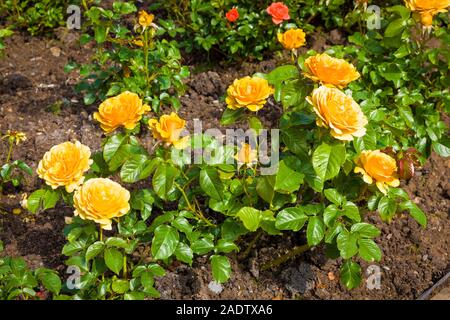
<point>215,287</point>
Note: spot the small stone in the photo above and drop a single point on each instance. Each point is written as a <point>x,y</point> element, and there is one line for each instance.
<point>331,276</point>
<point>215,287</point>
<point>56,52</point>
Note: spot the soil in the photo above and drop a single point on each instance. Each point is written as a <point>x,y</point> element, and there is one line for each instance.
<point>33,85</point>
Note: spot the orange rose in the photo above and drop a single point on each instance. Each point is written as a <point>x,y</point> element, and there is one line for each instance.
<point>246,155</point>
<point>292,39</point>
<point>101,200</point>
<point>64,165</point>
<point>329,70</point>
<point>251,93</point>
<point>232,15</point>
<point>339,112</point>
<point>279,12</point>
<point>378,166</point>
<point>125,110</point>
<point>427,9</point>
<point>168,130</point>
<point>145,19</point>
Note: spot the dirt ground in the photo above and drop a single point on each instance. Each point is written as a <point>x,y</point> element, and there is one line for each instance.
<point>32,81</point>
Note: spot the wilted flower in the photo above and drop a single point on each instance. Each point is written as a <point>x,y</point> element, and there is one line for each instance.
<point>232,15</point>
<point>427,9</point>
<point>292,39</point>
<point>251,93</point>
<point>168,130</point>
<point>339,112</point>
<point>125,110</point>
<point>379,167</point>
<point>329,70</point>
<point>145,19</point>
<point>15,136</point>
<point>101,200</point>
<point>246,155</point>
<point>65,165</point>
<point>279,12</point>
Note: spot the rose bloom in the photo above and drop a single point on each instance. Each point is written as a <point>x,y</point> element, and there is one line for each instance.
<point>101,200</point>
<point>246,155</point>
<point>232,15</point>
<point>279,12</point>
<point>168,130</point>
<point>427,9</point>
<point>329,70</point>
<point>379,167</point>
<point>125,110</point>
<point>65,165</point>
<point>251,93</point>
<point>145,19</point>
<point>292,39</point>
<point>339,112</point>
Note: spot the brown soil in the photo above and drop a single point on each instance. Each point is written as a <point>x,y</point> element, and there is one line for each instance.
<point>32,79</point>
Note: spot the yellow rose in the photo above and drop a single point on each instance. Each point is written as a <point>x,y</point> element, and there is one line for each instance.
<point>378,166</point>
<point>339,112</point>
<point>168,130</point>
<point>427,9</point>
<point>246,155</point>
<point>329,70</point>
<point>65,165</point>
<point>101,200</point>
<point>145,19</point>
<point>292,39</point>
<point>251,93</point>
<point>125,110</point>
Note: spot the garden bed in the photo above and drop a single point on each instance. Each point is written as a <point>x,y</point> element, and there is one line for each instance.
<point>36,97</point>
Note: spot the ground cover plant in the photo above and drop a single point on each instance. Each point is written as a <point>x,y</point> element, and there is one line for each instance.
<point>355,121</point>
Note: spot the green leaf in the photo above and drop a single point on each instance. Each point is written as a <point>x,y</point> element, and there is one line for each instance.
<point>120,286</point>
<point>415,212</point>
<point>113,260</point>
<point>112,145</point>
<point>184,253</point>
<point>255,124</point>
<point>211,183</point>
<point>347,244</point>
<point>250,217</point>
<point>50,198</point>
<point>230,116</point>
<point>100,33</point>
<point>291,219</point>
<point>202,246</point>
<point>368,250</point>
<point>94,249</point>
<point>287,180</point>
<point>117,242</point>
<point>51,281</point>
<point>365,230</point>
<point>134,296</point>
<point>132,168</point>
<point>165,242</point>
<point>282,73</point>
<point>226,246</point>
<point>387,208</point>
<point>350,210</point>
<point>221,268</point>
<point>163,179</point>
<point>330,215</point>
<point>327,160</point>
<point>334,196</point>
<point>265,187</point>
<point>35,199</point>
<point>350,274</point>
<point>442,149</point>
<point>395,27</point>
<point>315,231</point>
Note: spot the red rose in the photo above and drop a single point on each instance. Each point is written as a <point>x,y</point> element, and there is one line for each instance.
<point>279,12</point>
<point>232,15</point>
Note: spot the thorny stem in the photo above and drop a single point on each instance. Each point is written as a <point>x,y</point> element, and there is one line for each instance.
<point>8,157</point>
<point>191,208</point>
<point>245,254</point>
<point>282,259</point>
<point>124,266</point>
<point>101,234</point>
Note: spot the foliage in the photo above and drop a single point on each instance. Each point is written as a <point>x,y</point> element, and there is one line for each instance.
<point>126,59</point>
<point>37,17</point>
<point>4,33</point>
<point>17,282</point>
